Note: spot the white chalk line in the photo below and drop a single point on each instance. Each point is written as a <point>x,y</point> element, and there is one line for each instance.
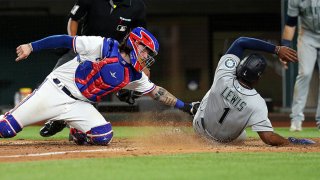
<point>63,152</point>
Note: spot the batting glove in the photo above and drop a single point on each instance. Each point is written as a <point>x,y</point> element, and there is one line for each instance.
<point>300,141</point>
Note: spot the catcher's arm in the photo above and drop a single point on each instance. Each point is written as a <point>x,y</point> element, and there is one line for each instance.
<point>162,95</point>
<point>51,42</point>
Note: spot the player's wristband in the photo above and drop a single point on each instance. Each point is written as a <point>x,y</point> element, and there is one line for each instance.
<point>179,104</point>
<point>286,42</point>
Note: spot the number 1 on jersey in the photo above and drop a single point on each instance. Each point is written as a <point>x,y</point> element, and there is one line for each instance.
<point>226,110</point>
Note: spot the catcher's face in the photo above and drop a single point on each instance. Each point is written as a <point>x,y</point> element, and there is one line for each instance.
<point>145,56</point>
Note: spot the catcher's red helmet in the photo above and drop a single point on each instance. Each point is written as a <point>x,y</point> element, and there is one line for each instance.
<point>142,40</point>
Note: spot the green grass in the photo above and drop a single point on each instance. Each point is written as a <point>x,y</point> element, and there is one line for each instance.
<point>220,166</point>
<point>186,166</point>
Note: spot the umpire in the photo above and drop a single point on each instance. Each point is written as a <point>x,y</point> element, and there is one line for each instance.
<point>106,18</point>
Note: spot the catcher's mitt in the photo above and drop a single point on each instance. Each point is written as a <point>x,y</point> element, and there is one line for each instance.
<point>128,96</point>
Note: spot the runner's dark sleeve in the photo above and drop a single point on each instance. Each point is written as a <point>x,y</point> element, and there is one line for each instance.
<point>238,46</point>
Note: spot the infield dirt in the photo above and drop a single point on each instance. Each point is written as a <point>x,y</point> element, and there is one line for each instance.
<point>171,141</point>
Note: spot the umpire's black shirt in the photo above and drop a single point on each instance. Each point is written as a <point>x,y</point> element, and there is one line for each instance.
<point>109,18</point>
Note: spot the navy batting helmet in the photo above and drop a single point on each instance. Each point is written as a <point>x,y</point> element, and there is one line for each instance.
<point>251,68</point>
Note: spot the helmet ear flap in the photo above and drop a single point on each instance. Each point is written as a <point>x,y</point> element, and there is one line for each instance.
<point>134,61</point>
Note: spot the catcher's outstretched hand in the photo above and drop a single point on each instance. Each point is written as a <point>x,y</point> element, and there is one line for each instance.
<point>191,108</point>
<point>286,55</point>
<point>23,51</point>
<point>194,107</point>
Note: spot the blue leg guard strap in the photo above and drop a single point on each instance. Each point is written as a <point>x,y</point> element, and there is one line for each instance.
<point>101,135</point>
<point>9,126</point>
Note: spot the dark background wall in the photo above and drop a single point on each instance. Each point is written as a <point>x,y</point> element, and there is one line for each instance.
<point>192,35</point>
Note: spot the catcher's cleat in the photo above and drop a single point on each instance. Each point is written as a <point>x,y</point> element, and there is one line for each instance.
<point>51,128</point>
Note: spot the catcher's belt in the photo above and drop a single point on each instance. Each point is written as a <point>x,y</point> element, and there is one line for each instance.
<point>63,88</point>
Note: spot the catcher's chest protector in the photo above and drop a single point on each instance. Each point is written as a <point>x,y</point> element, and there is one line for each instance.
<point>97,79</point>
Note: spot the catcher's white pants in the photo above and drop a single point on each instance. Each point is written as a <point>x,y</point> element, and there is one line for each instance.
<point>49,102</point>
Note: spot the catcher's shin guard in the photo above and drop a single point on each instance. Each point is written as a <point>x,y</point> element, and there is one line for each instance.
<point>9,126</point>
<point>100,135</point>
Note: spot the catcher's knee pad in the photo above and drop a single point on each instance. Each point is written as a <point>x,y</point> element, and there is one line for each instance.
<point>9,126</point>
<point>101,135</point>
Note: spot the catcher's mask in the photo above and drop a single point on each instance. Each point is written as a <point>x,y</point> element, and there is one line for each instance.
<point>144,47</point>
<point>251,68</point>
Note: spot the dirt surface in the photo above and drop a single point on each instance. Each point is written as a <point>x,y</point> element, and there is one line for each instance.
<point>172,141</point>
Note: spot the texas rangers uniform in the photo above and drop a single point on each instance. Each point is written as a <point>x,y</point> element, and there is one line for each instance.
<point>308,47</point>
<point>69,90</point>
<point>228,108</point>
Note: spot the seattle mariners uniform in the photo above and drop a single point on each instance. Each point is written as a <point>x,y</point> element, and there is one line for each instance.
<point>308,12</point>
<point>228,107</point>
<point>101,67</point>
<point>232,104</point>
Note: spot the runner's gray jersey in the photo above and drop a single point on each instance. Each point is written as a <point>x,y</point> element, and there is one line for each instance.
<point>308,12</point>
<point>228,108</point>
